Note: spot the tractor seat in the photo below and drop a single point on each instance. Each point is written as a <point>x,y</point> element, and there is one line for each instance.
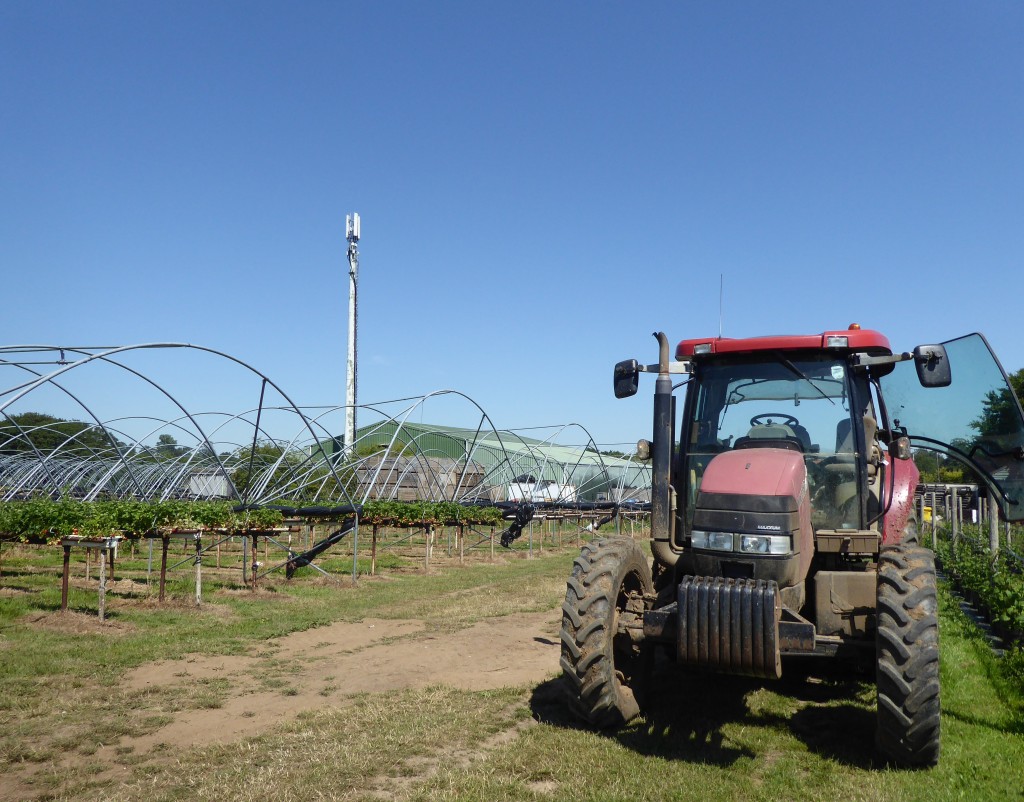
<point>844,461</point>
<point>770,436</point>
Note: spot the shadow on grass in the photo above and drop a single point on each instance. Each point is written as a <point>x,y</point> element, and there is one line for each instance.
<point>687,714</point>
<point>1013,726</point>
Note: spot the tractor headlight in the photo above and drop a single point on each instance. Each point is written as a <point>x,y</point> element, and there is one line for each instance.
<point>718,541</point>
<point>766,544</point>
<point>745,544</point>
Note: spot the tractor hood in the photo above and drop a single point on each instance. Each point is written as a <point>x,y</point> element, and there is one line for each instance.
<point>977,419</point>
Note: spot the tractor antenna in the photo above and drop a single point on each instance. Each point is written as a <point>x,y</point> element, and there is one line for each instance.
<point>721,292</point>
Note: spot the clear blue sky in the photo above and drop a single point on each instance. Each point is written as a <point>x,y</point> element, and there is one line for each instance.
<point>541,185</point>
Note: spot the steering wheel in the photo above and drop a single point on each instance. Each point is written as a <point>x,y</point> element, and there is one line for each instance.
<point>787,420</point>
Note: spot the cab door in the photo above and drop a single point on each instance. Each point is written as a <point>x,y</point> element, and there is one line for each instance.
<point>977,419</point>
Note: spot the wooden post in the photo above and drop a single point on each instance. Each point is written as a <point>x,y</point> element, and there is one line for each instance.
<point>373,552</point>
<point>426,549</point>
<point>103,583</point>
<point>492,544</point>
<point>245,560</point>
<point>88,563</point>
<point>255,559</point>
<point>951,517</point>
<point>165,541</point>
<point>462,543</point>
<point>199,569</point>
<point>993,525</point>
<point>64,581</point>
<point>355,550</point>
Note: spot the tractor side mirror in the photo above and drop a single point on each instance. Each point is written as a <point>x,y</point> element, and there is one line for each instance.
<point>932,366</point>
<point>627,378</point>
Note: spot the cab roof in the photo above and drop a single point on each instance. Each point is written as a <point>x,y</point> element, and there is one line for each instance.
<point>839,341</point>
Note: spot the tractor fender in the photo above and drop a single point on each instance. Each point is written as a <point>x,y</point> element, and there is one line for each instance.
<point>901,507</point>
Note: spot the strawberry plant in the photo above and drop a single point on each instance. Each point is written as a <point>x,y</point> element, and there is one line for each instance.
<point>44,519</point>
<point>996,581</point>
<point>418,513</point>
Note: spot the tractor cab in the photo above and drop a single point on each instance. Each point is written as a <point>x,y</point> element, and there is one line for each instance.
<point>850,410</point>
<point>809,404</point>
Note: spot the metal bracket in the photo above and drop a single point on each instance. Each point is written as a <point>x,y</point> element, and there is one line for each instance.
<point>673,367</point>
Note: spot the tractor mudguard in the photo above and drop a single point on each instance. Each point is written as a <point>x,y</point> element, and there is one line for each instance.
<point>905,478</point>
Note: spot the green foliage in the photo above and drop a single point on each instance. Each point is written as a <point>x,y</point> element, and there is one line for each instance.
<point>30,431</point>
<point>999,415</point>
<point>939,468</point>
<point>265,457</point>
<point>167,448</point>
<point>1017,383</point>
<point>417,513</point>
<point>256,520</point>
<point>996,580</point>
<point>44,519</point>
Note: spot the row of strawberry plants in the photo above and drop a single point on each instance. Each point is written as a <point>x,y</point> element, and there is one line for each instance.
<point>45,519</point>
<point>417,513</point>
<point>996,581</point>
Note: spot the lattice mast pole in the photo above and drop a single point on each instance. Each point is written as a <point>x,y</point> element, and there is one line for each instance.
<point>352,235</point>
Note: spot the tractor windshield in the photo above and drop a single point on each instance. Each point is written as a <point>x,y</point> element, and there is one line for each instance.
<point>800,404</point>
<point>977,419</point>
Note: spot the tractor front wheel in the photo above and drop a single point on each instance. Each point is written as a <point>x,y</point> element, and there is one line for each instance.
<point>907,657</point>
<point>603,659</point>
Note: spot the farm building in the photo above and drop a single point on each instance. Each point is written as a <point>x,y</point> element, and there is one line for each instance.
<point>406,461</point>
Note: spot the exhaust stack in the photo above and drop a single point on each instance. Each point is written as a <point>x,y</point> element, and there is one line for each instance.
<point>661,459</point>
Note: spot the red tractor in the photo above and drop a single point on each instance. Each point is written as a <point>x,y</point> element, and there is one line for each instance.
<point>782,520</point>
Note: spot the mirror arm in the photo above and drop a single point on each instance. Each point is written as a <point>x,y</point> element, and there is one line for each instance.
<point>673,368</point>
<point>863,360</point>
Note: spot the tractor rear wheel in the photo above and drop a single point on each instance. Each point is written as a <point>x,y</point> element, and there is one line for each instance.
<point>603,658</point>
<point>907,657</point>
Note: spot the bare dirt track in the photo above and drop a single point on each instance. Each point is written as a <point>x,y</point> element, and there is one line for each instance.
<point>323,666</point>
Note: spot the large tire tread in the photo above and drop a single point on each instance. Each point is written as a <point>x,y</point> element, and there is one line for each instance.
<point>907,652</point>
<point>602,669</point>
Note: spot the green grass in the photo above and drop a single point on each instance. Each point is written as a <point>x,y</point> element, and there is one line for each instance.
<point>707,738</point>
<point>51,674</point>
<point>710,739</point>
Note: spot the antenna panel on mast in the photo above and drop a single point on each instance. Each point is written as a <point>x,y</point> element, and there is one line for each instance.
<point>352,227</point>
